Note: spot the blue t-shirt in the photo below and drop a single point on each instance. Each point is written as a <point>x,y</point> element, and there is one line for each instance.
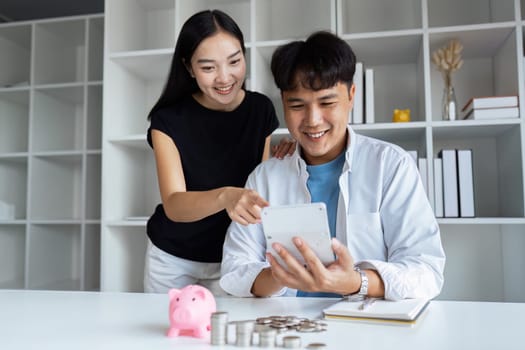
<point>323,184</point>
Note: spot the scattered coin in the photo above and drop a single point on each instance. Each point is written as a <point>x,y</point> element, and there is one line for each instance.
<point>286,323</point>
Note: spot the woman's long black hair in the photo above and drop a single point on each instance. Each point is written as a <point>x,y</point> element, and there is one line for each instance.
<point>197,28</point>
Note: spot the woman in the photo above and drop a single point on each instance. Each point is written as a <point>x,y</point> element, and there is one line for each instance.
<point>208,133</point>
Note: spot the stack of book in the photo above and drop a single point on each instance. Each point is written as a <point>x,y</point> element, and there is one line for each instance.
<point>421,163</point>
<point>454,183</point>
<point>363,111</point>
<point>493,107</point>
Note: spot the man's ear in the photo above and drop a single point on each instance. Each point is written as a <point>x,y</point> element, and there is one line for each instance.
<point>351,93</point>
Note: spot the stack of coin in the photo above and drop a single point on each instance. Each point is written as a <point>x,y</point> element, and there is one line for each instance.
<point>291,342</point>
<point>219,324</point>
<point>316,346</point>
<point>243,332</point>
<point>259,327</point>
<point>267,338</point>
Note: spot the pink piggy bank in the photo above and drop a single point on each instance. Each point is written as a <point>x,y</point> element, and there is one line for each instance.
<point>190,311</point>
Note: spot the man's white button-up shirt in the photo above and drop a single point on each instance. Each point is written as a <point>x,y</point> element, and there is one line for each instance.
<point>383,217</point>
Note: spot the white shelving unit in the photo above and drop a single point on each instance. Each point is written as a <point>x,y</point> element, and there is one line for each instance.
<point>396,40</point>
<point>50,152</point>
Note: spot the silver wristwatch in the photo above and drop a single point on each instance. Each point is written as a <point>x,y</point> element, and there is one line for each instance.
<point>363,291</point>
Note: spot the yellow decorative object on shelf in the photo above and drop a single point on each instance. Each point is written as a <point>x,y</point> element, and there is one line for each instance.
<point>401,115</point>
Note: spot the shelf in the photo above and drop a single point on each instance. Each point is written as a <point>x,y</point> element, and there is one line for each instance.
<point>94,118</point>
<point>91,268</point>
<point>56,188</point>
<point>402,68</point>
<point>261,79</point>
<point>95,48</point>
<point>12,262</point>
<point>474,128</point>
<point>273,20</point>
<point>239,10</point>
<point>396,41</point>
<point>140,24</point>
<point>356,16</point>
<point>58,119</point>
<point>490,66</point>
<point>129,222</point>
<point>477,42</point>
<point>15,46</point>
<point>481,264</point>
<point>454,12</point>
<point>126,249</point>
<point>14,119</point>
<point>146,65</point>
<point>478,265</point>
<point>52,260</point>
<point>13,171</point>
<point>129,111</point>
<point>139,194</point>
<point>93,185</point>
<point>134,141</point>
<point>409,136</point>
<point>402,47</point>
<point>497,165</point>
<point>482,221</point>
<point>50,152</point>
<point>60,52</point>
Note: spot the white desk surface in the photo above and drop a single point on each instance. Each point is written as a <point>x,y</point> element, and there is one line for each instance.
<point>127,321</point>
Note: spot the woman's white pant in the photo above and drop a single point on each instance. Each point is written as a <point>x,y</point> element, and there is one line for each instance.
<point>163,271</point>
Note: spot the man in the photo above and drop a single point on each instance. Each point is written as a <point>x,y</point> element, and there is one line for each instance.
<point>386,238</point>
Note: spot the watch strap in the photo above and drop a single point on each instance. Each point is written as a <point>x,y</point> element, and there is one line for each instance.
<point>363,290</point>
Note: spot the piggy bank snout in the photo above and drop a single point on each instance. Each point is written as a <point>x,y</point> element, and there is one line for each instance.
<point>183,314</point>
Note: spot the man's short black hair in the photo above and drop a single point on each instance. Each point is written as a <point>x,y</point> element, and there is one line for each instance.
<point>319,62</point>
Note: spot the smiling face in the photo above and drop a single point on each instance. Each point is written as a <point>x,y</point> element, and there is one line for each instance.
<point>318,120</point>
<point>219,67</point>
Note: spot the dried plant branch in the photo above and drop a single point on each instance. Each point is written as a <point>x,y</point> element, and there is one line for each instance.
<point>448,59</point>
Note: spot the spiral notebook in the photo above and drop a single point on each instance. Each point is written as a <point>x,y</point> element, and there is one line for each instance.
<point>402,311</point>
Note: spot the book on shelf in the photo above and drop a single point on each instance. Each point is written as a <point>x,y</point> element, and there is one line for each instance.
<point>490,102</point>
<point>423,172</point>
<point>357,111</point>
<point>492,113</point>
<point>369,96</point>
<point>465,183</point>
<point>450,183</point>
<point>137,218</point>
<point>400,311</point>
<point>438,187</point>
<point>413,155</point>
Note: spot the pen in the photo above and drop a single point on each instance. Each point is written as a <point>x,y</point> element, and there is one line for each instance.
<point>367,303</point>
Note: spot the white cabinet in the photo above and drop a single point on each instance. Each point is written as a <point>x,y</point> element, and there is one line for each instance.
<point>394,38</point>
<point>50,153</point>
